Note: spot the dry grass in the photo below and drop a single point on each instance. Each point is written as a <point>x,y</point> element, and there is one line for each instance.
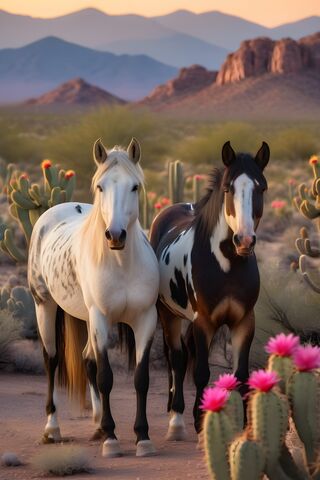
<point>10,331</point>
<point>62,460</point>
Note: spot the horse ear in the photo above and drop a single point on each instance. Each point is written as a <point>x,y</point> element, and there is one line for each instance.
<point>263,155</point>
<point>134,150</point>
<point>228,155</point>
<point>99,152</point>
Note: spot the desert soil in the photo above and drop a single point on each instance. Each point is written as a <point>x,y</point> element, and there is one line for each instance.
<point>22,419</point>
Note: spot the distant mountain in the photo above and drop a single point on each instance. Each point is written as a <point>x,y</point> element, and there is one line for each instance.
<point>131,34</point>
<point>33,70</point>
<point>229,30</point>
<point>263,79</point>
<point>76,92</point>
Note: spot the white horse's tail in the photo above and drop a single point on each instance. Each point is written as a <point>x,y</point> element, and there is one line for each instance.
<point>71,338</point>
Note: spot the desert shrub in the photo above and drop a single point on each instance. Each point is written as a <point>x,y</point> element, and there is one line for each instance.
<point>294,144</point>
<point>62,460</point>
<point>10,331</point>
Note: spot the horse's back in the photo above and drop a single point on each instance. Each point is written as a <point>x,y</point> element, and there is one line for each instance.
<point>169,223</point>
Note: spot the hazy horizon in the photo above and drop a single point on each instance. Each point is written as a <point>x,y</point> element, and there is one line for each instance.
<point>268,13</point>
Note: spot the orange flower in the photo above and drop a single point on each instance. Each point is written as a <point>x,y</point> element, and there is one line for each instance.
<point>158,206</point>
<point>313,160</point>
<point>165,201</point>
<point>46,164</point>
<point>69,174</point>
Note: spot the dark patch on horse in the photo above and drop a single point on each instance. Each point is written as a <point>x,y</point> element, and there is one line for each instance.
<point>191,296</point>
<point>185,258</point>
<point>164,252</point>
<point>167,259</point>
<point>177,239</point>
<point>178,290</point>
<point>78,208</point>
<point>141,383</point>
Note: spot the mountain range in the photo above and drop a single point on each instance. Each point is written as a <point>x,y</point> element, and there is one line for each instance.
<point>179,39</point>
<point>40,66</point>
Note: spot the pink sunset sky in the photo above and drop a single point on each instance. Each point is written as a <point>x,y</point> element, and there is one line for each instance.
<point>266,12</point>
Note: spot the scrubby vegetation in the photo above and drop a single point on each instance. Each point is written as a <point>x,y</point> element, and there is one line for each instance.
<point>62,460</point>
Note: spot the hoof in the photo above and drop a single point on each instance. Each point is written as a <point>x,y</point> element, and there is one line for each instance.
<point>111,448</point>
<point>99,434</point>
<point>145,448</point>
<point>176,433</point>
<point>52,435</point>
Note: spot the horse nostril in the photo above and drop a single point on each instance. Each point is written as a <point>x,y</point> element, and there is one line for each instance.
<point>236,240</point>
<point>123,236</point>
<point>108,235</point>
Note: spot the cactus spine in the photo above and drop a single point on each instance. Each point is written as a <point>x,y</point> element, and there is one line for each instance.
<point>218,434</point>
<point>247,459</point>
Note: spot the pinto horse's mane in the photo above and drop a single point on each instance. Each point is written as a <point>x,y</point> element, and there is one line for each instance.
<point>94,224</point>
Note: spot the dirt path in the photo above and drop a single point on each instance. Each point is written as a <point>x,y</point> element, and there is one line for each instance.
<point>22,419</point>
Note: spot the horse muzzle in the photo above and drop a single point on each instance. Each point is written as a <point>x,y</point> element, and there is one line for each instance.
<point>244,244</point>
<point>116,239</point>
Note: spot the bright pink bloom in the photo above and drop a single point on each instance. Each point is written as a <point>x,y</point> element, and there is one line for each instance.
<point>307,358</point>
<point>70,174</point>
<point>262,380</point>
<point>24,175</point>
<point>46,164</point>
<point>158,206</point>
<point>227,381</point>
<point>282,345</point>
<point>199,177</point>
<point>214,399</point>
<point>278,204</point>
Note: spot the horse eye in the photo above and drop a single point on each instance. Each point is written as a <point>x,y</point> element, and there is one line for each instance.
<point>99,188</point>
<point>135,188</point>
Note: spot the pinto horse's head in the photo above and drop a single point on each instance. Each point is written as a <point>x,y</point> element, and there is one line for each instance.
<point>116,186</point>
<point>243,184</point>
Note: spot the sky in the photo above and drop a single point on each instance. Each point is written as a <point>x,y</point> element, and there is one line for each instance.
<point>266,12</point>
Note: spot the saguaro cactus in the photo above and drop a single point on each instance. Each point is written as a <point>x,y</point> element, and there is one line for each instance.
<point>28,201</point>
<point>176,181</point>
<point>308,204</point>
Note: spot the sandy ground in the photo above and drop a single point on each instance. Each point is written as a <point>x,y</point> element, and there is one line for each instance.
<point>22,419</point>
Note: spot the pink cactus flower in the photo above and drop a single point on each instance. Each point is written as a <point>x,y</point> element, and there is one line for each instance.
<point>158,206</point>
<point>228,381</point>
<point>70,174</point>
<point>278,204</point>
<point>262,380</point>
<point>24,175</point>
<point>282,345</point>
<point>307,358</point>
<point>292,181</point>
<point>46,164</point>
<point>214,399</point>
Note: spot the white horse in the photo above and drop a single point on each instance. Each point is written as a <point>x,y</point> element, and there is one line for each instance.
<point>91,266</point>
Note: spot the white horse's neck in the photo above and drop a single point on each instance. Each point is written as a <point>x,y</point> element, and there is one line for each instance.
<point>219,234</point>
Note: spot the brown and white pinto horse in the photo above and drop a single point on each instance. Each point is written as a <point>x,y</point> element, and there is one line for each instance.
<point>209,273</point>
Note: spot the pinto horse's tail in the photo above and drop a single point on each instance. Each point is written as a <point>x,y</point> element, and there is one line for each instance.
<point>71,339</point>
<point>127,342</point>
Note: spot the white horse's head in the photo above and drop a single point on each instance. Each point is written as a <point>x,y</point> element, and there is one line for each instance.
<point>116,187</point>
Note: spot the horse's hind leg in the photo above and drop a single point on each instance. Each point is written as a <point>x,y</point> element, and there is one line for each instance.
<point>177,364</point>
<point>46,318</point>
<point>144,330</point>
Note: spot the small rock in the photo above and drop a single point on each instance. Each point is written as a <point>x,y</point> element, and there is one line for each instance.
<point>10,459</point>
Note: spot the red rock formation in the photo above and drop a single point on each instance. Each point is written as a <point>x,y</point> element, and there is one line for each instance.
<point>262,55</point>
<point>76,92</point>
<point>189,81</point>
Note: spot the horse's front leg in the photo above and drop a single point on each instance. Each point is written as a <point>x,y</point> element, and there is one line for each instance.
<point>242,334</point>
<point>99,330</point>
<point>144,329</point>
<point>203,332</point>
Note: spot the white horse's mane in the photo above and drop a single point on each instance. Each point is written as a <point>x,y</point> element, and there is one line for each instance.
<point>94,225</point>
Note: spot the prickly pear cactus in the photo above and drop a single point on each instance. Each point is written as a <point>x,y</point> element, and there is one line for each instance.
<point>28,201</point>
